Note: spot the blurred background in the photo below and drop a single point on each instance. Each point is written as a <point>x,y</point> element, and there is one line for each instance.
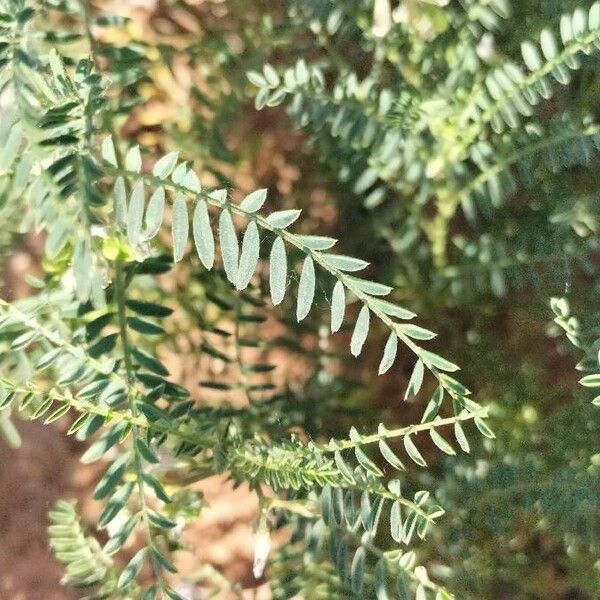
<point>524,516</point>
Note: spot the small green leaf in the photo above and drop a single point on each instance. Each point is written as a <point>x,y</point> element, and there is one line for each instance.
<point>357,571</point>
<point>461,438</point>
<point>154,213</point>
<point>219,196</point>
<point>389,353</point>
<point>392,310</point>
<point>416,380</point>
<point>57,414</point>
<point>396,521</point>
<point>366,462</point>
<point>277,271</point>
<point>389,456</point>
<point>343,467</point>
<point>135,213</point>
<point>112,477</point>
<point>148,361</point>
<point>437,361</point>
<point>434,405</point>
<point>370,287</point>
<point>483,428</point>
<point>413,452</point>
<point>229,246</point>
<point>148,309</point>
<point>306,289</point>
<point>531,56</point>
<point>133,160</point>
<point>108,151</point>
<point>165,165</point>
<point>338,306</point>
<point>441,443</point>
<point>254,201</point>
<point>249,256</point>
<point>160,521</point>
<point>256,79</point>
<point>132,570</point>
<point>344,263</point>
<point>162,561</point>
<point>548,44</point>
<point>179,227</point>
<point>203,235</point>
<point>120,196</point>
<point>103,445</point>
<point>361,330</point>
<point>283,218</point>
<point>116,542</point>
<point>416,332</point>
<point>316,242</point>
<point>591,380</point>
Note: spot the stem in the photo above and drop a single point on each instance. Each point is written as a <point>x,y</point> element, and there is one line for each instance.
<point>447,207</point>
<point>138,464</point>
<point>404,431</point>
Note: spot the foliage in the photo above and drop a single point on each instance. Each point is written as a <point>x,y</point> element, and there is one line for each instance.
<point>440,146</point>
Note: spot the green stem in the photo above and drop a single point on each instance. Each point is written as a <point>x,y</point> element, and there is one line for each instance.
<point>447,207</point>
<point>404,431</point>
<point>138,463</point>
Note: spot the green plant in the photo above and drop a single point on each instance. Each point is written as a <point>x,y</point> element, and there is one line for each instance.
<point>435,129</point>
<point>416,121</point>
<point>90,346</point>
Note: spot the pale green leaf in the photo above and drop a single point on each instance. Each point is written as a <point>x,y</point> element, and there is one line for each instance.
<point>392,310</point>
<point>389,456</point>
<point>413,452</point>
<point>203,235</point>
<point>357,571</point>
<point>483,428</point>
<point>154,213</point>
<point>254,201</point>
<point>132,570</point>
<point>416,380</point>
<point>434,405</point>
<point>531,56</point>
<point>108,151</point>
<point>396,521</point>
<point>306,289</point>
<point>361,330</point>
<point>437,361</point>
<point>133,159</point>
<point>461,438</point>
<point>249,256</point>
<point>219,196</point>
<point>370,287</point>
<point>135,213</point>
<point>165,165</point>
<point>278,271</point>
<point>389,353</point>
<point>316,242</point>
<point>338,306</point>
<point>191,181</point>
<point>590,380</point>
<point>283,218</point>
<point>441,443</point>
<point>416,332</point>
<point>548,44</point>
<point>229,246</point>
<point>344,263</point>
<point>179,227</point>
<point>120,196</point>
